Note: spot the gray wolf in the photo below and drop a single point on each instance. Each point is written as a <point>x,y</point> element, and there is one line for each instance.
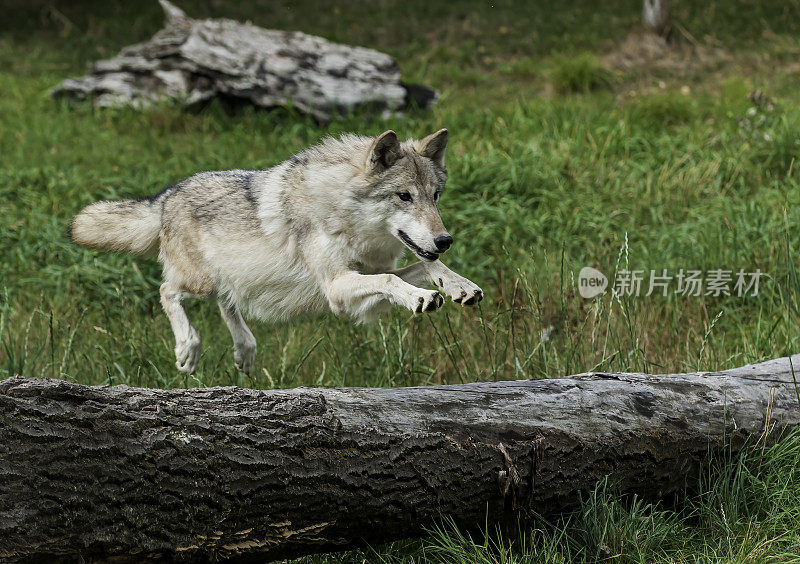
<point>321,231</point>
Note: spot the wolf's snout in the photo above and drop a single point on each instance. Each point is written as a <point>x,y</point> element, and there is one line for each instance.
<point>443,242</point>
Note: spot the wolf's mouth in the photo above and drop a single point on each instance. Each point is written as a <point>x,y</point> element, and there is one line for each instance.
<point>416,249</point>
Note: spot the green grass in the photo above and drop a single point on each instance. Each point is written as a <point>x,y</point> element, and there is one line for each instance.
<point>660,168</point>
<point>582,73</point>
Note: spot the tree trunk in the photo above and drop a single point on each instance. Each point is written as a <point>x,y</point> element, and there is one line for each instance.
<point>656,16</point>
<point>208,474</point>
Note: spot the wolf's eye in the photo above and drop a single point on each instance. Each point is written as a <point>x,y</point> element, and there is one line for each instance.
<point>405,196</point>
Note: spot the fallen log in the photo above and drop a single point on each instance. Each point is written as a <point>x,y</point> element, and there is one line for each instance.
<point>207,474</point>
<point>193,61</point>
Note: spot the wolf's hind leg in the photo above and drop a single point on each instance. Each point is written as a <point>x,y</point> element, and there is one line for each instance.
<point>244,344</point>
<point>187,341</point>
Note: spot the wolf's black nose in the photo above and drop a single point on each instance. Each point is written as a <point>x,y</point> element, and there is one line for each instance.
<point>443,242</point>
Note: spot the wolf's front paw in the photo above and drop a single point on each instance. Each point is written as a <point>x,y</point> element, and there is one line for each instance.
<point>461,290</point>
<point>187,353</point>
<point>244,356</point>
<point>424,301</point>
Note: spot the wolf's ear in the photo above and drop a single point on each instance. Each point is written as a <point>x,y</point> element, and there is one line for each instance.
<point>384,152</point>
<point>433,146</point>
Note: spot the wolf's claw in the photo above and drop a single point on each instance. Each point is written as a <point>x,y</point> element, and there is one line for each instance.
<point>244,357</point>
<point>187,353</point>
<point>462,291</point>
<point>431,301</point>
<point>435,303</point>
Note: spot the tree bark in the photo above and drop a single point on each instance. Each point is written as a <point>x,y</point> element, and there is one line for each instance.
<point>208,474</point>
<point>192,61</point>
<point>655,16</point>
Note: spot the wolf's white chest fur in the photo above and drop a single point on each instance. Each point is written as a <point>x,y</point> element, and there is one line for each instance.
<point>268,273</point>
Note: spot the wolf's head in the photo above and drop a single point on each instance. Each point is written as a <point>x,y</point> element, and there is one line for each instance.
<point>407,180</point>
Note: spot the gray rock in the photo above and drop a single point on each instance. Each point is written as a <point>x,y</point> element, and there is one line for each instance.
<point>193,61</point>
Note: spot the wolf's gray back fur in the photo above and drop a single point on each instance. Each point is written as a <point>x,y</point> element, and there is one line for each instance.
<point>321,231</point>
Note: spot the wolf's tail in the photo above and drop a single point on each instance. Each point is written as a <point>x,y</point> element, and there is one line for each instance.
<point>131,226</point>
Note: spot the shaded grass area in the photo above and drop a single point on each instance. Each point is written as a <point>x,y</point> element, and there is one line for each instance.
<point>556,162</point>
